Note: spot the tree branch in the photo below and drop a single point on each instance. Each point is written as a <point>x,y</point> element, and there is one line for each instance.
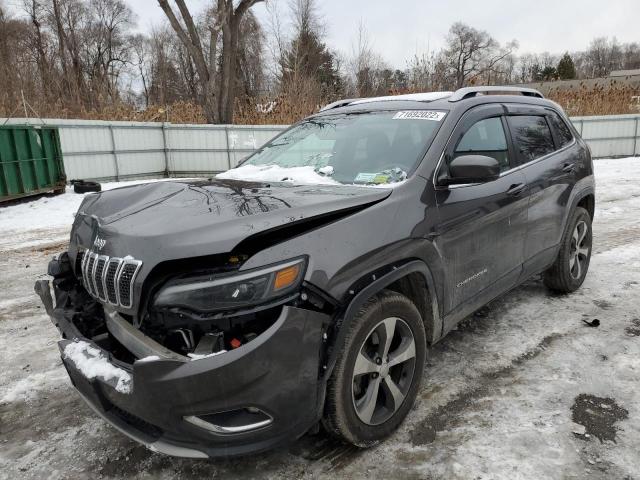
<point>194,49</point>
<point>243,6</point>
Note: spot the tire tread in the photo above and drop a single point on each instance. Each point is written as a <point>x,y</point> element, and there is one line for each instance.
<point>556,278</point>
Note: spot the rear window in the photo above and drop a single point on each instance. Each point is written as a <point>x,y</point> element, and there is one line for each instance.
<point>532,136</point>
<point>561,128</point>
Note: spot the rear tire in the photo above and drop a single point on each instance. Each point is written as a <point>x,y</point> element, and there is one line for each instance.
<point>376,378</point>
<point>570,268</point>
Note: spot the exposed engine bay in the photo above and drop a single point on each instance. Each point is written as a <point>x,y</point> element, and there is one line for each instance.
<point>189,334</point>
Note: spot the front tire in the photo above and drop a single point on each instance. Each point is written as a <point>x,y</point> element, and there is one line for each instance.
<point>378,371</point>
<point>570,268</point>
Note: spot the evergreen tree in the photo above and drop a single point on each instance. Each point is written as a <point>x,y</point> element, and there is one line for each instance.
<point>549,73</point>
<point>566,68</point>
<point>308,57</point>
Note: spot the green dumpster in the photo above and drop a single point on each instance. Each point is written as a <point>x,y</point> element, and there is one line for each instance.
<point>30,161</point>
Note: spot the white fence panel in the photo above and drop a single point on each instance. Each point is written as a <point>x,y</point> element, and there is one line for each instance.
<point>119,150</point>
<point>610,135</point>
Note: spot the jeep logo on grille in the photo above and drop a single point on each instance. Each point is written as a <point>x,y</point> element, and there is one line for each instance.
<point>99,243</point>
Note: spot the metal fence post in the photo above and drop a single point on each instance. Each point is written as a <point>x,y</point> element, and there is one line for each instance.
<point>115,153</point>
<point>635,138</point>
<point>226,132</point>
<point>166,149</point>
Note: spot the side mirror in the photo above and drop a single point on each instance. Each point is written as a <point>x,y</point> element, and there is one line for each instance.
<point>472,169</point>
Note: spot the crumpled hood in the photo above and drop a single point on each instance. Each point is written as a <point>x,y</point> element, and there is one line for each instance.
<point>171,220</point>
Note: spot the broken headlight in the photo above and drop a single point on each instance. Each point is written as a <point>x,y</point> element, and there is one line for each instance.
<point>241,289</point>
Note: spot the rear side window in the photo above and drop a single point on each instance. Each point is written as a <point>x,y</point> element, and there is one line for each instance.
<point>561,128</point>
<point>486,137</point>
<point>532,136</point>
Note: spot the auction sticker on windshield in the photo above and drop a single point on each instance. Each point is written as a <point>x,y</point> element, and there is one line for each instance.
<point>419,115</point>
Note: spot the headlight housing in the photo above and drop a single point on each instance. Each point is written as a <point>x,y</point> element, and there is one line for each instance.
<point>238,290</point>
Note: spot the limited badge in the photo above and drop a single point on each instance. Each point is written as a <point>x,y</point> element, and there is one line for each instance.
<point>420,115</point>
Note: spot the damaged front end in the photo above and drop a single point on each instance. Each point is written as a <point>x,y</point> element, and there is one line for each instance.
<point>215,362</point>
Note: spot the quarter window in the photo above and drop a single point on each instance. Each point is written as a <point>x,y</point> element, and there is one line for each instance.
<point>561,128</point>
<point>532,136</point>
<point>486,137</point>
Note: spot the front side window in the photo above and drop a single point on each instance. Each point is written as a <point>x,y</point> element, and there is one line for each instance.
<point>532,136</point>
<point>561,128</point>
<point>486,137</point>
<point>357,148</point>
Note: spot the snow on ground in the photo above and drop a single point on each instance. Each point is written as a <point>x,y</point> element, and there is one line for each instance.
<point>50,211</point>
<point>523,389</point>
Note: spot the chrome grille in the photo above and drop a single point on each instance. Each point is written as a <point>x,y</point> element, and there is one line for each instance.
<point>125,281</point>
<point>98,278</point>
<point>110,279</point>
<point>79,262</point>
<point>113,265</point>
<point>88,279</point>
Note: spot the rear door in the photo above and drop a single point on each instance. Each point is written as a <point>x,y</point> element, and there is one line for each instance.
<point>543,144</point>
<point>481,226</point>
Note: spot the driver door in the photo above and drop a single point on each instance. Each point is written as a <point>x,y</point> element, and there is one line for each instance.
<point>482,226</point>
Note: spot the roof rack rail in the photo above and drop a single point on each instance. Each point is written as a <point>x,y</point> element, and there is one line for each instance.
<point>339,103</point>
<point>469,92</point>
<point>415,97</point>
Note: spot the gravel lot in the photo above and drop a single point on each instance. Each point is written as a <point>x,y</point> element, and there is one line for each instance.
<point>523,389</point>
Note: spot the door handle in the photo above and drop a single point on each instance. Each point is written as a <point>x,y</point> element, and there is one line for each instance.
<point>568,167</point>
<point>516,189</point>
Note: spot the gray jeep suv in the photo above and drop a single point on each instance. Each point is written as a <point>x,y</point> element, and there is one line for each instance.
<point>229,315</point>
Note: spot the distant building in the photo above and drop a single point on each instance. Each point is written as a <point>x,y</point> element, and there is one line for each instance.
<point>625,73</point>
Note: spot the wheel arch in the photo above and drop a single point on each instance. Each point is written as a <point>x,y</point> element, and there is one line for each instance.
<point>407,279</point>
<point>583,195</point>
<point>588,202</point>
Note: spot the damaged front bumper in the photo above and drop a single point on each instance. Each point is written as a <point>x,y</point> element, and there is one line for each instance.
<point>258,396</point>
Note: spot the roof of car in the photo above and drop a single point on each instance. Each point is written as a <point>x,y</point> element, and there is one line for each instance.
<point>436,100</point>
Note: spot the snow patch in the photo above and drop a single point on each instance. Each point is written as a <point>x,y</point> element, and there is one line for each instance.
<point>274,173</point>
<point>92,363</point>
<point>306,175</point>
<point>266,107</point>
<point>197,356</point>
<point>30,386</point>
<point>150,358</point>
<point>326,170</point>
<point>52,211</point>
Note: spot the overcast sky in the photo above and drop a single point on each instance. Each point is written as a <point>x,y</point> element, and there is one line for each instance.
<point>400,28</point>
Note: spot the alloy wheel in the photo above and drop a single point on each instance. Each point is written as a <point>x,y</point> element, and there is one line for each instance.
<point>383,371</point>
<point>579,252</point>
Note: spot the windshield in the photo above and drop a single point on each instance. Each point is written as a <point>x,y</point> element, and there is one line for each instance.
<point>373,148</point>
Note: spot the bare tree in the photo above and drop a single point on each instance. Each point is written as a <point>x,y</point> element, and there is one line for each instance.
<point>497,64</point>
<point>465,51</point>
<point>217,84</point>
<point>35,12</point>
<point>141,53</point>
<point>365,65</point>
<point>70,21</point>
<point>277,43</point>
<point>108,47</point>
<point>603,56</point>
